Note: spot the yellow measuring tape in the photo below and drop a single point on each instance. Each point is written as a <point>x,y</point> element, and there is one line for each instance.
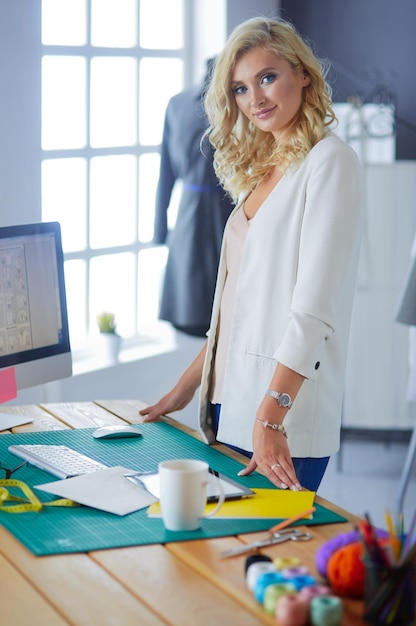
<point>30,503</point>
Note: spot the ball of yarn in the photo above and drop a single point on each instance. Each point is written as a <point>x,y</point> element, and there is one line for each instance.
<point>310,591</point>
<point>292,572</point>
<point>327,549</point>
<point>257,569</point>
<point>326,611</point>
<point>292,610</point>
<point>256,558</point>
<point>345,571</point>
<point>302,581</point>
<point>282,562</point>
<point>263,581</point>
<point>273,592</point>
<point>343,539</point>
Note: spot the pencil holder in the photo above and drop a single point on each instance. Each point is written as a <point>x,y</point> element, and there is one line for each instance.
<point>390,594</point>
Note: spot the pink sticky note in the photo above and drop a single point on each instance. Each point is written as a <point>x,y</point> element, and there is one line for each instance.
<point>8,387</point>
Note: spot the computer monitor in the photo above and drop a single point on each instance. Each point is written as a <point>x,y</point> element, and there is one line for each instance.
<point>34,336</point>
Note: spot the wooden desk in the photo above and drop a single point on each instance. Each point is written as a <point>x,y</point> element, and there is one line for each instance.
<point>177,584</point>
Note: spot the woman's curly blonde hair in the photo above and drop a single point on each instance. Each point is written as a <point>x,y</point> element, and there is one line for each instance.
<point>243,153</point>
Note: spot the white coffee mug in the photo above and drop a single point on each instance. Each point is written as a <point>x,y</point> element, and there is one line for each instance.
<point>183,493</point>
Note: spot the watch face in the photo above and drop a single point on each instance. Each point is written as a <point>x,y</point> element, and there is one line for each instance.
<point>285,399</point>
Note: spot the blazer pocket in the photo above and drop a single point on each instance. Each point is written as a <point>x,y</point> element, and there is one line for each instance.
<point>259,359</point>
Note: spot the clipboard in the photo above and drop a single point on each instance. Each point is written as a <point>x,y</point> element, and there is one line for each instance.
<point>232,489</point>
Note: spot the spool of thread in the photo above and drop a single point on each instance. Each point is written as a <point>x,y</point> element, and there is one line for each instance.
<point>292,610</point>
<point>302,581</point>
<point>255,558</point>
<point>292,572</point>
<point>326,611</point>
<point>273,592</point>
<point>257,569</point>
<point>285,562</point>
<point>310,591</point>
<point>263,581</point>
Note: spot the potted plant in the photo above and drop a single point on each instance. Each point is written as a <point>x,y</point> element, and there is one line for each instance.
<point>107,322</point>
<point>109,344</point>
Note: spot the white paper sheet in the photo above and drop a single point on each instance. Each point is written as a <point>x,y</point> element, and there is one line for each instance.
<point>107,490</point>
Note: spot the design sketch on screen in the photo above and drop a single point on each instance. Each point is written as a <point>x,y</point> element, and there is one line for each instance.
<point>34,336</point>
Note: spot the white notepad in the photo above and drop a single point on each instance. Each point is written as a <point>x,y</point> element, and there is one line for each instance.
<point>106,490</point>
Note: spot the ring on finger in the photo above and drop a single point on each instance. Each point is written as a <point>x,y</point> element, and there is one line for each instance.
<point>275,465</point>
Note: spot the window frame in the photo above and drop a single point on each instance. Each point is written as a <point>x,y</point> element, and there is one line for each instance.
<point>89,52</point>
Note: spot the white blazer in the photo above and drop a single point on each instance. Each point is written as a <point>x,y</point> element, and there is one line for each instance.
<point>293,303</point>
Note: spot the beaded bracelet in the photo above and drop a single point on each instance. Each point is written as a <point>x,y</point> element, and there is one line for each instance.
<point>278,427</point>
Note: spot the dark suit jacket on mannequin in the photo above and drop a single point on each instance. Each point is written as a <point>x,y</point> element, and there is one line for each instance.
<point>194,244</point>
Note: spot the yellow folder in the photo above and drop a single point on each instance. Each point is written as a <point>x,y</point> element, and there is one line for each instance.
<point>266,503</point>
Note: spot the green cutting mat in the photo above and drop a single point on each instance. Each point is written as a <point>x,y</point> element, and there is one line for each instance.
<point>63,530</point>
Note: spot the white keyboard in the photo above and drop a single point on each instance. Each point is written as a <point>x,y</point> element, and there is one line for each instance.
<point>60,461</point>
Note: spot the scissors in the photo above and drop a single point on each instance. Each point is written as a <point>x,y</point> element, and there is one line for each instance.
<point>289,534</point>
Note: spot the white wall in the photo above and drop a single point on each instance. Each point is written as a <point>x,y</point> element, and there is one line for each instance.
<point>19,112</point>
<point>240,10</point>
<point>209,34</point>
<point>377,368</point>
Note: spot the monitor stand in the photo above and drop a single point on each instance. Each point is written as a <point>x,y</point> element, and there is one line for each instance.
<point>8,420</point>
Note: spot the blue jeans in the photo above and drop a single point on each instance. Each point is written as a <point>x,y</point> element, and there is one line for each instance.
<point>309,471</point>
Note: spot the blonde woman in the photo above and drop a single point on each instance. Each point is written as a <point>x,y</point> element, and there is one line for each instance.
<point>271,373</point>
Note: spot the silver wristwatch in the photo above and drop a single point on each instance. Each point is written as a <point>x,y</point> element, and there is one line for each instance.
<point>283,399</point>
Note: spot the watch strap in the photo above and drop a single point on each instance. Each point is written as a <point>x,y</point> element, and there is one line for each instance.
<point>283,399</point>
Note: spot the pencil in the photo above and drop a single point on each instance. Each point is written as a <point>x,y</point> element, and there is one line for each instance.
<point>292,520</point>
<point>400,533</point>
<point>409,538</point>
<point>392,534</point>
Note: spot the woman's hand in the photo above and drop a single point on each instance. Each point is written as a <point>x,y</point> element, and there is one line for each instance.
<point>271,451</point>
<point>176,400</point>
<point>271,455</point>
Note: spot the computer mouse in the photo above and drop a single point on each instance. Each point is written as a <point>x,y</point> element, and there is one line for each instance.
<point>116,431</point>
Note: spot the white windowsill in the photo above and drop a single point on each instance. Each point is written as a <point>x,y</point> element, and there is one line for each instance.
<point>160,339</point>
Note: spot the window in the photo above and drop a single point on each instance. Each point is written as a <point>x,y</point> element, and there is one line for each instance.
<point>109,68</point>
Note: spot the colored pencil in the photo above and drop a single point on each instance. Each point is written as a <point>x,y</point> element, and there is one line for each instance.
<point>393,585</point>
<point>400,533</point>
<point>392,534</point>
<point>292,520</point>
<point>409,539</point>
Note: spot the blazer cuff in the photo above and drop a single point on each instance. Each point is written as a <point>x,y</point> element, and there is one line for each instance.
<point>303,345</point>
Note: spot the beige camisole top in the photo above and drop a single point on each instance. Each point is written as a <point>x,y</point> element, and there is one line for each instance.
<point>235,237</point>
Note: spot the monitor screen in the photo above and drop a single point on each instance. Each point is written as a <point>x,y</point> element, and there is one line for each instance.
<point>34,337</point>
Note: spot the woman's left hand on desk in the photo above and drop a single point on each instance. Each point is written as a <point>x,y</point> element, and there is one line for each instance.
<point>272,456</point>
